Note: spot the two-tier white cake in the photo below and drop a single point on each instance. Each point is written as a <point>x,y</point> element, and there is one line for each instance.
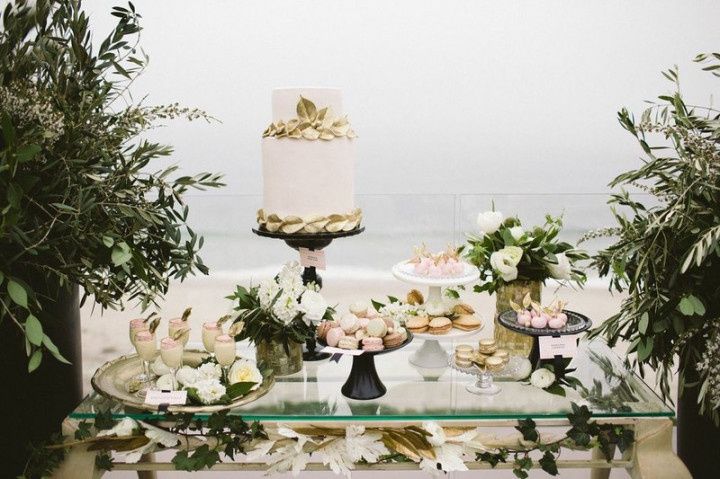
<point>308,164</point>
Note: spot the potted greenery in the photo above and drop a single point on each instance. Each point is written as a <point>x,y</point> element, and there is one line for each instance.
<point>667,258</point>
<point>514,262</point>
<point>277,317</point>
<point>81,215</point>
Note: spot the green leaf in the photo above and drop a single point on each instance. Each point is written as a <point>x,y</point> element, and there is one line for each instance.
<point>33,330</point>
<point>35,360</point>
<point>643,323</point>
<point>121,254</point>
<point>644,349</point>
<point>104,420</point>
<point>108,241</point>
<point>17,293</point>
<point>239,389</point>
<point>27,153</point>
<point>528,429</point>
<point>548,464</point>
<point>2,277</point>
<point>50,346</point>
<point>698,306</point>
<point>556,389</point>
<point>686,306</point>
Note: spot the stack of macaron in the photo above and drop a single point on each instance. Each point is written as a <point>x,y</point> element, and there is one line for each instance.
<point>362,328</point>
<point>487,355</point>
<point>462,317</point>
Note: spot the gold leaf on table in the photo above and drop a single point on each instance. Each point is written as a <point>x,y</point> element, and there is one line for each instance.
<point>397,443</point>
<point>125,443</point>
<point>326,135</point>
<point>310,134</point>
<point>321,114</point>
<point>306,109</point>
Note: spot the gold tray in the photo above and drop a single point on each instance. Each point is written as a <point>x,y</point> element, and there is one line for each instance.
<point>110,380</point>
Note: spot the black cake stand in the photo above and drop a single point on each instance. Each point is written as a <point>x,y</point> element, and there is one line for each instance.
<point>313,242</point>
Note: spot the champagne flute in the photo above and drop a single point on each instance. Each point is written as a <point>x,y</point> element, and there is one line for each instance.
<point>177,325</point>
<point>137,325</point>
<point>146,347</point>
<point>210,331</point>
<point>225,352</point>
<point>171,352</point>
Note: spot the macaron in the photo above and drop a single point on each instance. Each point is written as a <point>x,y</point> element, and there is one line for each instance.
<point>494,363</point>
<point>389,322</point>
<point>502,354</point>
<point>363,322</point>
<point>348,342</point>
<point>487,346</point>
<point>439,325</point>
<point>392,340</point>
<point>360,334</point>
<point>372,344</point>
<point>376,328</point>
<point>467,322</point>
<point>359,309</point>
<point>324,327</point>
<point>402,332</point>
<point>333,336</point>
<point>417,324</point>
<point>349,323</point>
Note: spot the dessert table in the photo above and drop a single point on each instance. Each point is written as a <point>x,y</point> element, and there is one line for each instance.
<point>312,397</point>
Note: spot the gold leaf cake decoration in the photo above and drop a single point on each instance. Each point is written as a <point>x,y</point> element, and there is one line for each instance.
<point>311,124</point>
<point>310,224</point>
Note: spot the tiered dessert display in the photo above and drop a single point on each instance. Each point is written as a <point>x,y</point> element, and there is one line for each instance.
<point>214,380</point>
<point>308,176</point>
<point>535,320</point>
<point>444,269</point>
<point>364,331</point>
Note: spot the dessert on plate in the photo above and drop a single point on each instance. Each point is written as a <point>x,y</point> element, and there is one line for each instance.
<point>308,164</point>
<point>533,315</point>
<point>444,264</point>
<point>487,355</point>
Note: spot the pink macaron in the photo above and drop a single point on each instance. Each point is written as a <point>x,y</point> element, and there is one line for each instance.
<point>333,336</point>
<point>372,344</point>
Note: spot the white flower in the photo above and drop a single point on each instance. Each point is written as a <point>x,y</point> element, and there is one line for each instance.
<point>489,221</point>
<point>210,371</point>
<point>363,445</point>
<point>165,382</point>
<point>517,232</point>
<point>542,378</point>
<point>159,367</point>
<point>313,305</point>
<point>209,390</point>
<point>122,429</point>
<point>267,291</point>
<point>160,436</point>
<point>562,269</point>
<point>437,434</point>
<point>505,262</point>
<point>187,376</point>
<point>286,308</point>
<point>290,279</point>
<point>398,311</point>
<point>244,371</point>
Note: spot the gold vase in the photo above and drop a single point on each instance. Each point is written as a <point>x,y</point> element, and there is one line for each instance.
<point>272,355</point>
<point>518,344</point>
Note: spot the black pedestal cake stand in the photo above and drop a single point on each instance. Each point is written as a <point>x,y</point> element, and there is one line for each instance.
<point>576,323</point>
<point>313,242</point>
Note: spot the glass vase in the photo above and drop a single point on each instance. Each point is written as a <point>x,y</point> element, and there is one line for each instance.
<point>517,344</point>
<point>272,355</point>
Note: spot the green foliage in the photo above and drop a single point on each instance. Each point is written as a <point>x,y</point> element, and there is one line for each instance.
<point>79,201</point>
<point>667,252</point>
<point>540,249</point>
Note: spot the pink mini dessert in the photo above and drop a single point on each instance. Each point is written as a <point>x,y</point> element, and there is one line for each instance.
<point>445,264</point>
<point>333,336</point>
<point>363,322</point>
<point>372,344</point>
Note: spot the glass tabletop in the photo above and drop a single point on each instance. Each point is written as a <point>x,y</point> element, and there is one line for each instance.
<point>414,393</point>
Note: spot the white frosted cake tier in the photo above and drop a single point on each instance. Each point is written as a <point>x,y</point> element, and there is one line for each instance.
<point>308,184</point>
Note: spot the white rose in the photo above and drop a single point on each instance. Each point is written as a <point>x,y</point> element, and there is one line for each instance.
<point>121,429</point>
<point>505,262</point>
<point>165,382</point>
<point>187,376</point>
<point>489,221</point>
<point>437,434</point>
<point>209,390</point>
<point>209,371</point>
<point>244,371</point>
<point>159,367</point>
<point>313,305</point>
<point>562,269</point>
<point>542,378</point>
<point>517,232</point>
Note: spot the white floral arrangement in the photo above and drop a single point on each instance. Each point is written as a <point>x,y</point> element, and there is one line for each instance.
<point>505,251</point>
<point>205,383</point>
<point>280,309</point>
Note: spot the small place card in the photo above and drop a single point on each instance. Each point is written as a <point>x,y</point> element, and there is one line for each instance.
<point>565,346</point>
<point>351,352</point>
<point>157,397</point>
<point>310,258</point>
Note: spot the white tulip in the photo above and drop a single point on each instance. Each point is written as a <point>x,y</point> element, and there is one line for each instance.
<point>516,232</point>
<point>562,269</point>
<point>489,221</point>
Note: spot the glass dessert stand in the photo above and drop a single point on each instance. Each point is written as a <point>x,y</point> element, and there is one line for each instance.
<point>313,397</point>
<point>431,354</point>
<point>513,370</point>
<point>313,242</point>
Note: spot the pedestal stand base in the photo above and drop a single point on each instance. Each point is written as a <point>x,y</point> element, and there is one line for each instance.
<point>363,382</point>
<point>430,355</point>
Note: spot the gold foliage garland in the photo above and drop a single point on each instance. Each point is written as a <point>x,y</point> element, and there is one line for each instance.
<point>311,124</point>
<point>309,224</point>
